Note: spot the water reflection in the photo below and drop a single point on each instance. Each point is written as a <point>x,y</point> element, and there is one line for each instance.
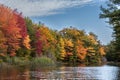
<point>80,73</point>
<point>8,72</point>
<point>61,73</point>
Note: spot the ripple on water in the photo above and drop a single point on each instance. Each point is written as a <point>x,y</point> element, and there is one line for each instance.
<point>62,73</point>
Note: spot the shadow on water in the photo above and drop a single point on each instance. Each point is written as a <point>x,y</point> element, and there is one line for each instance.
<point>9,72</point>
<point>106,72</point>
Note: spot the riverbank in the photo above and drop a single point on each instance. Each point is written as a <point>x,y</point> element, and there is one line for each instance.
<point>113,63</point>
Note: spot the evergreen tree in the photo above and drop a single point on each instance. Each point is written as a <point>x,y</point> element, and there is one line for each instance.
<point>112,13</point>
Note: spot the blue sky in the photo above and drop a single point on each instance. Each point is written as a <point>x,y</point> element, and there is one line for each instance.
<point>58,14</point>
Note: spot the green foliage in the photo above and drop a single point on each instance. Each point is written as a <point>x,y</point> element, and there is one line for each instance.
<point>110,51</point>
<point>18,61</point>
<point>42,62</point>
<point>115,1</point>
<point>22,52</point>
<point>112,13</point>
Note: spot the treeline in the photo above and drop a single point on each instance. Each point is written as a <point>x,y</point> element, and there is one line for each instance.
<point>21,37</point>
<point>112,13</point>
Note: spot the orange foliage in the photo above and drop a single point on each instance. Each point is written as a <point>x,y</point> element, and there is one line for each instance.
<point>68,46</point>
<point>8,24</point>
<point>102,51</point>
<point>81,52</point>
<point>26,42</point>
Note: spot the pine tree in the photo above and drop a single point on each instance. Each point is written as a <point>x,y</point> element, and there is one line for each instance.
<point>112,13</point>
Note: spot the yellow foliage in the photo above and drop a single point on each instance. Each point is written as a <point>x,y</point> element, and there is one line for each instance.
<point>45,31</point>
<point>46,37</point>
<point>68,43</point>
<point>26,42</point>
<point>92,39</point>
<point>79,42</point>
<point>91,50</point>
<point>62,44</point>
<point>102,51</point>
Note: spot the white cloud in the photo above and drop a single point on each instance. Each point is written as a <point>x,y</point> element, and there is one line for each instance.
<point>118,7</point>
<point>43,7</point>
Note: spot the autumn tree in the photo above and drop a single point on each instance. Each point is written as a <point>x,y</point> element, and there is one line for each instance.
<point>62,48</point>
<point>13,27</point>
<point>44,41</point>
<point>38,43</point>
<point>10,30</point>
<point>81,50</point>
<point>25,47</point>
<point>68,45</point>
<point>23,30</point>
<point>31,30</point>
<point>74,45</point>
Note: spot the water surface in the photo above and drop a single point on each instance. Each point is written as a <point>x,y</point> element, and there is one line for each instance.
<point>105,72</point>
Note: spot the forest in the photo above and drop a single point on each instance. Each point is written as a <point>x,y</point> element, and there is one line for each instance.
<point>21,40</point>
<point>112,14</point>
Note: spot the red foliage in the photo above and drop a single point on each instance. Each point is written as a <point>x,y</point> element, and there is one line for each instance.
<point>38,47</point>
<point>21,24</point>
<point>38,43</point>
<point>13,26</point>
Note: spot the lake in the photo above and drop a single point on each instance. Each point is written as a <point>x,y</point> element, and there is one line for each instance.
<point>105,72</point>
